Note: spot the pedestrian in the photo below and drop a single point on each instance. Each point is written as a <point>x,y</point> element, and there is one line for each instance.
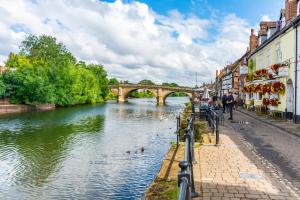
<point>235,97</point>
<point>224,99</point>
<point>229,103</point>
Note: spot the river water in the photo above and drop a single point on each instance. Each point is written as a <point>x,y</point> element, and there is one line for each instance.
<point>83,152</point>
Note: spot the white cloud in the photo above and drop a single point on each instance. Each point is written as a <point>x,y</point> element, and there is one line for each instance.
<point>131,40</point>
<point>265,18</point>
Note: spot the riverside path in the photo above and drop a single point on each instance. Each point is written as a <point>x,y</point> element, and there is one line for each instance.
<point>254,161</point>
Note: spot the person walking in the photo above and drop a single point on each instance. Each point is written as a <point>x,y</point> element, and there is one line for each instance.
<point>230,103</point>
<point>235,102</point>
<point>224,100</point>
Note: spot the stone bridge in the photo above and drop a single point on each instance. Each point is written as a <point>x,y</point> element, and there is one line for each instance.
<point>161,92</point>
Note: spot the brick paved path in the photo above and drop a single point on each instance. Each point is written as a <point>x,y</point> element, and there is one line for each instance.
<point>235,170</point>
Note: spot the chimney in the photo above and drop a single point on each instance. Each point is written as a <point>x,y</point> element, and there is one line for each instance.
<point>290,9</point>
<point>253,41</point>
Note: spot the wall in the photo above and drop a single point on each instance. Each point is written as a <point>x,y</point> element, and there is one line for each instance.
<point>287,42</point>
<point>6,107</point>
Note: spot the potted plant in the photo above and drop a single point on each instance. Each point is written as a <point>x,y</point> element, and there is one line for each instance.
<point>277,87</point>
<point>275,68</point>
<point>266,88</point>
<point>266,101</point>
<point>275,102</point>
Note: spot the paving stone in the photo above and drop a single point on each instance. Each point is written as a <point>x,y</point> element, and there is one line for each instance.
<point>219,171</point>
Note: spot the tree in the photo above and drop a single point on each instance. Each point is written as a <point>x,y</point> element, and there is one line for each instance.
<point>101,76</point>
<point>113,81</point>
<point>170,84</point>
<point>2,88</point>
<point>44,71</point>
<point>146,82</point>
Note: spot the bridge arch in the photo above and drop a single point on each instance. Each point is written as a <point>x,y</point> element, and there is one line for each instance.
<point>161,92</point>
<point>154,92</point>
<point>172,92</point>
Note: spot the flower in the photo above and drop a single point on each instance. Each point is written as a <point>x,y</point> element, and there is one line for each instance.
<point>270,76</point>
<point>266,88</point>
<point>277,87</point>
<point>275,68</point>
<point>275,102</point>
<point>248,89</point>
<point>266,101</point>
<point>258,88</point>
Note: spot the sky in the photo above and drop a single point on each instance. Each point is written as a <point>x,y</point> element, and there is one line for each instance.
<point>160,40</point>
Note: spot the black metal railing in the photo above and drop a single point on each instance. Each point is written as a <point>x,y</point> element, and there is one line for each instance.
<point>178,130</point>
<point>214,119</point>
<point>185,176</point>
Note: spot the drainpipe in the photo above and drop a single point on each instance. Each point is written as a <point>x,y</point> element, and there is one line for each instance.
<point>296,77</point>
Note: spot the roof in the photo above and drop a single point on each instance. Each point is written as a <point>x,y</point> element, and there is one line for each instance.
<point>292,23</point>
<point>262,32</point>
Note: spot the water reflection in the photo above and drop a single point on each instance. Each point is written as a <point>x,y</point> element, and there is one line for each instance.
<point>80,152</point>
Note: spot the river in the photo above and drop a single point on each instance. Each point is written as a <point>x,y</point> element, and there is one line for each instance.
<point>83,152</point>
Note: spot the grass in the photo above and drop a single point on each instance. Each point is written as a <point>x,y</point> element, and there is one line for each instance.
<point>163,190</point>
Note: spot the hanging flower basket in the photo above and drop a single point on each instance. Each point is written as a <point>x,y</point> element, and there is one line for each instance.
<point>275,68</point>
<point>266,88</point>
<point>258,88</point>
<point>274,102</point>
<point>266,101</point>
<point>278,87</point>
<point>248,89</point>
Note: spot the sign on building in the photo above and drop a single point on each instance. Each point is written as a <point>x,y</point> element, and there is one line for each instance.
<point>243,69</point>
<point>283,71</point>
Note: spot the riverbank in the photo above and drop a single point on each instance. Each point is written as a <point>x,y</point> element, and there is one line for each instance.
<point>165,185</point>
<point>6,107</point>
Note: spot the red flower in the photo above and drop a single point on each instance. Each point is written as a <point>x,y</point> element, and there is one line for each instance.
<point>266,101</point>
<point>275,67</point>
<point>275,102</point>
<point>277,87</point>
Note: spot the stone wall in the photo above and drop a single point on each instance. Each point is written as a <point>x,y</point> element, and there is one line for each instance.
<point>6,107</point>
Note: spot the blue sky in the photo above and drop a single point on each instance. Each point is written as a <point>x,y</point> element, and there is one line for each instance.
<point>251,10</point>
<point>160,40</point>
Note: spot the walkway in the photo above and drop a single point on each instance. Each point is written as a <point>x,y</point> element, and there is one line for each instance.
<point>287,126</point>
<point>236,170</point>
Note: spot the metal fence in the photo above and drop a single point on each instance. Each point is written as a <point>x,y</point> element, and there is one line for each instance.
<point>185,176</point>
<point>214,119</point>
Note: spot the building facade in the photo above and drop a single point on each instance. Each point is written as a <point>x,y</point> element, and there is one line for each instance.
<point>272,78</point>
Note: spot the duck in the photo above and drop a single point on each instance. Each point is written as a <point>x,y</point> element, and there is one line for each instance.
<point>128,152</point>
<point>142,149</point>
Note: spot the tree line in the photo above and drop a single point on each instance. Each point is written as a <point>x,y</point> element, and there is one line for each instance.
<point>44,71</point>
<point>146,93</point>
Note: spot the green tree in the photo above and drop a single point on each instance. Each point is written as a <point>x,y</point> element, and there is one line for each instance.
<point>170,84</point>
<point>2,88</point>
<point>44,71</point>
<point>113,81</point>
<point>146,82</point>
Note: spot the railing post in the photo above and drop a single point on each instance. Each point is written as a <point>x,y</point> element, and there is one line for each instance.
<point>184,176</point>
<point>213,122</point>
<point>193,191</point>
<point>217,130</point>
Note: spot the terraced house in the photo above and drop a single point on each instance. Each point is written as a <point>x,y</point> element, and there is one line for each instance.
<point>272,74</point>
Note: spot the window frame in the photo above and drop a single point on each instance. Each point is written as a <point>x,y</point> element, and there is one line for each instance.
<point>298,7</point>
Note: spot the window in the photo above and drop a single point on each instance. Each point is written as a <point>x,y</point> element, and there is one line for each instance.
<point>259,96</point>
<point>278,53</point>
<point>283,22</point>
<point>298,8</point>
<point>269,57</point>
<point>261,60</point>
